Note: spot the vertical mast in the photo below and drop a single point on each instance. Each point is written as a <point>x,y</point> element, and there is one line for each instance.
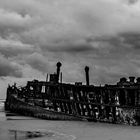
<point>87,75</point>
<point>58,70</point>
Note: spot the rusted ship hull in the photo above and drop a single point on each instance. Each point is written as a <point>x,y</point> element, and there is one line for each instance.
<point>55,100</point>
<point>103,104</point>
<point>16,105</point>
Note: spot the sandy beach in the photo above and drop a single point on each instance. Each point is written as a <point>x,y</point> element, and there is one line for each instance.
<point>64,130</point>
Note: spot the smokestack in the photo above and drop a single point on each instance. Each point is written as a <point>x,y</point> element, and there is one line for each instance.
<point>132,79</point>
<point>87,75</point>
<point>61,77</point>
<point>47,78</point>
<point>58,70</point>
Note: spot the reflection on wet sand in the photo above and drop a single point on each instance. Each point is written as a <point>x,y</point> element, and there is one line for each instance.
<point>50,135</point>
<point>21,135</point>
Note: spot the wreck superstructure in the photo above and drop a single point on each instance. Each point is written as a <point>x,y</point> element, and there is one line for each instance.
<point>52,99</point>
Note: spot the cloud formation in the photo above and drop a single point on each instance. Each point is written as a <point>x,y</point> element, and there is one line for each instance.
<point>103,34</point>
<point>8,68</point>
<point>10,47</point>
<point>39,62</point>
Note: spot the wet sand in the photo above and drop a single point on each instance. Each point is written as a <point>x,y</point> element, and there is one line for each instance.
<point>69,130</point>
<point>63,130</point>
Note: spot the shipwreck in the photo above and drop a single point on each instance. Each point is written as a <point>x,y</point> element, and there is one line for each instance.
<point>52,99</point>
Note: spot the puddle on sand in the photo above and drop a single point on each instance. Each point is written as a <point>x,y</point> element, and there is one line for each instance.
<point>48,135</point>
<point>23,135</point>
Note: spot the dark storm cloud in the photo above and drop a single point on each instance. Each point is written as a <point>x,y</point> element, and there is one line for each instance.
<point>100,33</point>
<point>69,46</point>
<point>126,42</point>
<point>133,39</point>
<point>8,68</point>
<point>39,62</point>
<point>10,47</point>
<point>132,1</point>
<point>12,22</point>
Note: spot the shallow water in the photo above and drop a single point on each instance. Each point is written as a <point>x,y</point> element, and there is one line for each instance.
<point>15,127</point>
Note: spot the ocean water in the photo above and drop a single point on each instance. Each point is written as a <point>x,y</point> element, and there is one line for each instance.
<point>16,127</point>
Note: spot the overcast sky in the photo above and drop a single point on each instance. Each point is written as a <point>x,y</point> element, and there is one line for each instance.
<point>103,34</point>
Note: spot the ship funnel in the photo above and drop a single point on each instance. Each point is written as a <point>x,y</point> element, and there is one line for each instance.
<point>87,75</point>
<point>58,70</point>
<point>138,80</point>
<point>132,79</point>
